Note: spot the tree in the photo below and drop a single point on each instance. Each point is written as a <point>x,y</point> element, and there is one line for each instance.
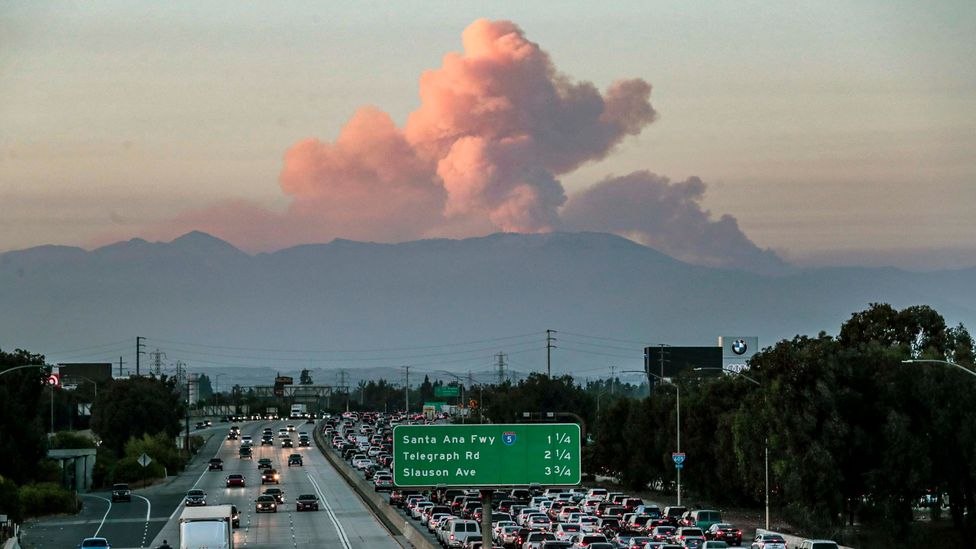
<point>22,440</point>
<point>305,378</point>
<point>204,387</point>
<point>134,407</point>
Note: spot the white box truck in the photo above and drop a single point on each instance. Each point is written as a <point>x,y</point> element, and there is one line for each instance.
<point>299,411</point>
<point>207,527</point>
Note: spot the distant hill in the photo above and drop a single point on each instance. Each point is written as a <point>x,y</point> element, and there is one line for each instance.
<point>203,301</point>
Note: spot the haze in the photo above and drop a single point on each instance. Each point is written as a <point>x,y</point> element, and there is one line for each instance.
<point>819,134</point>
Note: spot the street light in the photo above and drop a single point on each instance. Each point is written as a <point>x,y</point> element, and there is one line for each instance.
<point>765,441</point>
<point>933,361</point>
<point>216,389</point>
<point>677,406</point>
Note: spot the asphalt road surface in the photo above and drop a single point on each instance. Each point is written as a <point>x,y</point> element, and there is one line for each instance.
<point>343,521</point>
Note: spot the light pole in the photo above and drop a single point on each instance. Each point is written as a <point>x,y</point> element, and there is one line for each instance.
<point>677,407</point>
<point>933,361</point>
<point>766,438</point>
<point>216,390</point>
<point>23,366</point>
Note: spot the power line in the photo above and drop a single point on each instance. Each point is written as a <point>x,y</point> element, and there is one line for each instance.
<point>72,351</point>
<point>377,350</point>
<point>641,343</point>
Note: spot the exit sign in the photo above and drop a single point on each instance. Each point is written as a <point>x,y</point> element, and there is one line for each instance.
<point>486,455</point>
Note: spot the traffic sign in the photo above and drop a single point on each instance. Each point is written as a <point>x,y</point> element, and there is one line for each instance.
<point>446,391</point>
<point>285,380</point>
<point>144,460</point>
<point>54,379</point>
<point>486,455</point>
<point>679,458</point>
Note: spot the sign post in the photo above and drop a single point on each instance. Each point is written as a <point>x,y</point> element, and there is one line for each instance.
<point>487,456</point>
<point>144,460</point>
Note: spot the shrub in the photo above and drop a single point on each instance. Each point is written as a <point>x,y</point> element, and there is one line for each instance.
<point>105,461</point>
<point>48,470</point>
<point>67,439</point>
<point>129,470</point>
<point>196,442</point>
<point>10,499</point>
<point>46,498</point>
<point>161,448</point>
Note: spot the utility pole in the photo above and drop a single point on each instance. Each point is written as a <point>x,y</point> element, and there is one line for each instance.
<point>613,380</point>
<point>120,366</point>
<point>139,352</point>
<point>406,388</point>
<point>501,367</point>
<point>187,441</point>
<point>549,347</point>
<point>342,384</point>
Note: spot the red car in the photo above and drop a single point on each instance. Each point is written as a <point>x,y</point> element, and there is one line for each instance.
<point>235,480</point>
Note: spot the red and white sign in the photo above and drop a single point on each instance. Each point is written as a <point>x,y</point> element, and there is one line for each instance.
<point>54,379</point>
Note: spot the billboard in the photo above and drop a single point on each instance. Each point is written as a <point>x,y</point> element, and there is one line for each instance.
<point>737,350</point>
<point>669,361</point>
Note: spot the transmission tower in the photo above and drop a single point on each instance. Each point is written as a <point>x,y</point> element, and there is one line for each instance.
<point>156,362</point>
<point>501,367</point>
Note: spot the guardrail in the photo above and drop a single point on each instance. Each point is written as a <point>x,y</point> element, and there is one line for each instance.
<point>791,540</point>
<point>405,533</point>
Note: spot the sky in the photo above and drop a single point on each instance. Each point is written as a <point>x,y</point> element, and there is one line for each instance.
<point>723,133</point>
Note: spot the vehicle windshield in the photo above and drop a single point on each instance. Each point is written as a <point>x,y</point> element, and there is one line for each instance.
<point>94,543</point>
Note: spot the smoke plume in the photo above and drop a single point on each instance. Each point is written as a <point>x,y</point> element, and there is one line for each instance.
<point>667,216</point>
<point>496,127</point>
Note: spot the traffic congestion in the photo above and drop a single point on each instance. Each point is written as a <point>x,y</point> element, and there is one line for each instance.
<point>527,518</point>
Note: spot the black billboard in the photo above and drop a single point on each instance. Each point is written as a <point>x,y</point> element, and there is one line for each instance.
<point>669,361</point>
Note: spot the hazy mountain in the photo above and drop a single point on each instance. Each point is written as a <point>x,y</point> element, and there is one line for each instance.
<point>201,300</point>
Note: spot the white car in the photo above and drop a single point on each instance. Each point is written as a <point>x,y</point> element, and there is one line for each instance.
<point>565,531</point>
<point>589,524</point>
<point>769,541</point>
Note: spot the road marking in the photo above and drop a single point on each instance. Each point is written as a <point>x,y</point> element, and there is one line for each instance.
<point>107,511</point>
<point>145,531</point>
<point>335,521</point>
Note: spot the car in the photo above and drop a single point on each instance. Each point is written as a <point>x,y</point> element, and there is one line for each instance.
<point>235,515</point>
<point>264,463</point>
<point>723,531</point>
<point>768,541</point>
<point>282,433</point>
<point>382,482</point>
<point>534,539</point>
<point>587,540</point>
<point>662,533</point>
<point>817,544</point>
<point>216,464</point>
<point>265,503</point>
<point>195,497</point>
<point>245,453</point>
<point>287,443</point>
<point>701,518</point>
<point>236,480</point>
<point>307,502</point>
<point>267,440</point>
<point>95,542</point>
<point>304,443</point>
<point>270,476</point>
<point>275,493</point>
<point>121,492</point>
<point>232,436</point>
<point>554,544</point>
<point>691,536</point>
<point>246,440</point>
<point>711,544</point>
<point>295,459</point>
<point>674,513</point>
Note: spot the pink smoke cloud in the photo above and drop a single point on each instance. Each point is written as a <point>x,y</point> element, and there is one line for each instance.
<point>496,127</point>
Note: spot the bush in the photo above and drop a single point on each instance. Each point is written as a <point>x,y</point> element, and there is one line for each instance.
<point>161,448</point>
<point>48,470</point>
<point>105,461</point>
<point>67,439</point>
<point>196,442</point>
<point>129,471</point>
<point>10,500</point>
<point>46,498</point>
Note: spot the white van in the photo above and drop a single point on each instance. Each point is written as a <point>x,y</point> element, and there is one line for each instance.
<point>458,532</point>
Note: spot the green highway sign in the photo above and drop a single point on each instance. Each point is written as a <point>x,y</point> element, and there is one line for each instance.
<point>521,454</point>
<point>446,391</point>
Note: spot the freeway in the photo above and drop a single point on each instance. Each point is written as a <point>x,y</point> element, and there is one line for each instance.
<point>343,521</point>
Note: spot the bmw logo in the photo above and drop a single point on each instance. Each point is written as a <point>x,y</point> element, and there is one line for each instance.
<point>739,346</point>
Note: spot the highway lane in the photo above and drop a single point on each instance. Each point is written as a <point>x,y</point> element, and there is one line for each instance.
<point>124,524</point>
<point>342,521</point>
